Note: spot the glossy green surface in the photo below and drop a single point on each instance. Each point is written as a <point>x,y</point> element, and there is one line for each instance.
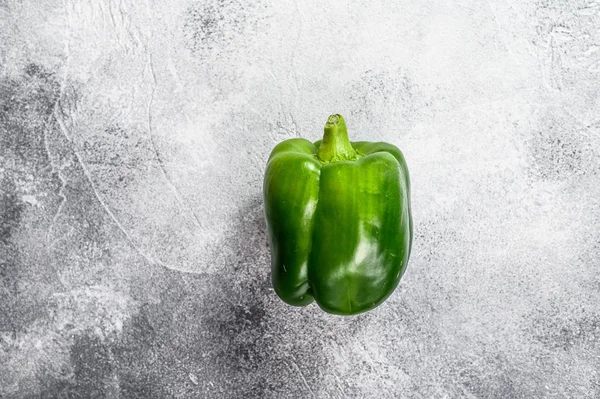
<point>339,220</point>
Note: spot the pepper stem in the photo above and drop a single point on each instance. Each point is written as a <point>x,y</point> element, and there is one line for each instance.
<point>336,145</point>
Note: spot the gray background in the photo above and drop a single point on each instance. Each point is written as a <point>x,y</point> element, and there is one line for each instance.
<point>133,138</point>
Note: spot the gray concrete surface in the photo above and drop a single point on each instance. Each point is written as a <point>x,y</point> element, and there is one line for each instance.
<point>133,139</point>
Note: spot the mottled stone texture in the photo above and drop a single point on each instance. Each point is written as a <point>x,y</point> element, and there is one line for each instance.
<point>133,254</point>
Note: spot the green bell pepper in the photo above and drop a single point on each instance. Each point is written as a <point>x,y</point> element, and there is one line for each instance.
<point>339,220</point>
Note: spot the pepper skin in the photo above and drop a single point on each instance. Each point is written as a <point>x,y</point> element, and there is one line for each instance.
<point>339,220</point>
